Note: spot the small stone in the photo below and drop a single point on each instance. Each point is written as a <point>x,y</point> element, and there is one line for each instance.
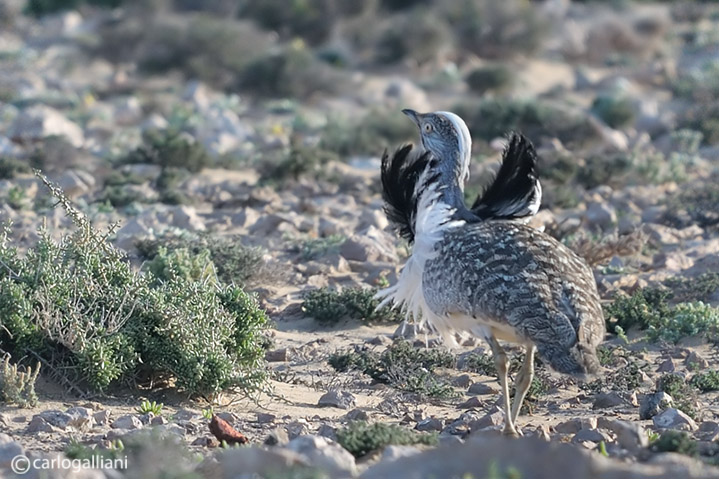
<point>481,389</point>
<point>630,436</point>
<point>128,421</point>
<point>102,417</point>
<point>462,381</point>
<point>227,417</point>
<point>591,435</point>
<point>393,452</point>
<point>653,404</point>
<point>471,403</point>
<point>666,366</point>
<point>491,419</point>
<point>277,355</point>
<point>573,426</point>
<point>56,418</point>
<point>430,424</point>
<point>695,362</point>
<point>38,424</point>
<point>186,218</point>
<point>205,441</point>
<point>327,431</point>
<point>159,421</point>
<point>600,215</point>
<point>357,415</point>
<point>338,399</point>
<point>607,400</point>
<point>277,437</point>
<point>147,418</point>
<point>380,340</point>
<point>673,418</point>
<point>82,418</point>
<point>39,122</point>
<point>325,454</point>
<point>265,418</point>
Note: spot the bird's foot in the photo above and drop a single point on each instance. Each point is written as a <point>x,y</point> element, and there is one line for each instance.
<point>512,432</point>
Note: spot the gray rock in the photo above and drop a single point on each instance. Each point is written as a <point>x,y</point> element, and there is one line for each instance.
<point>607,400</point>
<point>38,424</point>
<point>265,418</point>
<point>357,415</point>
<point>600,215</point>
<point>56,418</point>
<point>257,462</point>
<point>471,403</point>
<point>673,418</point>
<point>327,431</point>
<point>186,217</point>
<point>573,426</point>
<point>430,424</point>
<point>102,417</point>
<point>371,244</point>
<point>631,436</point>
<point>277,437</point>
<point>462,381</point>
<point>338,399</point>
<point>39,121</point>
<point>407,330</point>
<point>82,418</point>
<point>325,454</point>
<point>128,421</point>
<point>695,362</point>
<point>667,366</point>
<point>9,449</point>
<point>493,418</point>
<point>481,389</point>
<point>392,453</point>
<point>185,414</point>
<point>159,421</point>
<point>591,435</point>
<point>653,404</point>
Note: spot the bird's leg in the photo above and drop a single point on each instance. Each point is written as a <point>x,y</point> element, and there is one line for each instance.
<point>524,380</point>
<point>501,363</point>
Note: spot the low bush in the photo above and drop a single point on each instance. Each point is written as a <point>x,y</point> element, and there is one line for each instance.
<point>360,438</point>
<point>169,149</point>
<point>492,78</point>
<point>17,385</point>
<point>675,441</point>
<point>707,381</point>
<point>328,306</point>
<point>93,321</point>
<point>682,392</point>
<point>615,111</point>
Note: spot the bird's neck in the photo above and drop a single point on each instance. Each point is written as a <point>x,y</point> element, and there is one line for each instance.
<point>453,175</point>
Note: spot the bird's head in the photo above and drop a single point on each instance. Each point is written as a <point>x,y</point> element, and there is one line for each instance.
<point>446,136</point>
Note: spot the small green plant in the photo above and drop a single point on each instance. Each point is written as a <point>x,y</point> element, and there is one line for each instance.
<point>313,248</point>
<point>329,306</point>
<point>480,363</point>
<point>603,449</point>
<point>616,111</point>
<point>494,78</point>
<point>18,386</point>
<point>77,450</point>
<point>360,438</point>
<point>686,319</point>
<point>170,149</point>
<point>706,381</point>
<point>623,379</point>
<point>683,393</point>
<point>402,366</point>
<point>150,407</point>
<point>675,441</point>
<point>16,198</point>
<point>208,413</point>
<point>11,167</point>
<point>495,471</point>
<point>643,308</point>
<point>621,334</point>
<point>701,288</point>
<point>652,436</point>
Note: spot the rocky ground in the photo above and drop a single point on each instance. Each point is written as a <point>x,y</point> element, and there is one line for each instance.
<point>620,99</point>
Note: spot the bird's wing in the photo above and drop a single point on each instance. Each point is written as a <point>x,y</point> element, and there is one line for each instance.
<point>400,173</point>
<point>515,191</point>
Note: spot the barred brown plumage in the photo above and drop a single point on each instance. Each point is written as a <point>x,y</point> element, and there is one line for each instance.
<point>489,276</point>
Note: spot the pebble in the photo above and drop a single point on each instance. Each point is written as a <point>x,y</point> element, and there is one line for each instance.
<point>608,400</point>
<point>673,418</point>
<point>652,404</point>
<point>338,399</point>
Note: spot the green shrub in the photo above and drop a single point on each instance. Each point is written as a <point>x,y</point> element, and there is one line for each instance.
<point>417,36</point>
<point>290,72</point>
<point>42,7</point>
<point>371,134</point>
<point>696,205</point>
<point>498,30</point>
<point>615,111</point>
<point>232,261</point>
<point>361,438</point>
<point>686,319</point>
<point>11,167</point>
<point>150,407</point>
<point>707,381</point>
<point>17,386</point>
<point>491,118</point>
<point>81,308</point>
<point>328,306</point>
<point>170,149</point>
<point>402,366</point>
<point>675,441</point>
<point>683,393</point>
<point>622,379</point>
<point>495,78</point>
<point>642,309</point>
<point>300,160</point>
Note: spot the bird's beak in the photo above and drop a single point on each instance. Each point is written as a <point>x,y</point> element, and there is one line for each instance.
<point>412,114</point>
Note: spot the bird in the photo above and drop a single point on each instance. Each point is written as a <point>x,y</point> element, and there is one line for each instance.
<point>473,271</point>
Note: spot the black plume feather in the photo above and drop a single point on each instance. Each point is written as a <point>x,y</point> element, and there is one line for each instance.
<point>400,173</point>
<point>515,191</point>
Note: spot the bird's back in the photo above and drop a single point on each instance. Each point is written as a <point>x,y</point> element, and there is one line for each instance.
<point>514,276</point>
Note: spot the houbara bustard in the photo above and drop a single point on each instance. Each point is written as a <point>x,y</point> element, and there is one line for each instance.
<point>479,270</point>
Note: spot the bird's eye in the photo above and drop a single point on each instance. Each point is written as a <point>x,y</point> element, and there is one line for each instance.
<point>428,128</point>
